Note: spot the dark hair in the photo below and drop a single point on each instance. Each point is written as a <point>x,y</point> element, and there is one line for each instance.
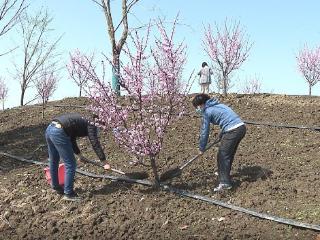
<point>200,99</point>
<point>204,64</point>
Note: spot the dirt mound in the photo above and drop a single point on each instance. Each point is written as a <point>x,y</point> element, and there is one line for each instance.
<point>276,171</point>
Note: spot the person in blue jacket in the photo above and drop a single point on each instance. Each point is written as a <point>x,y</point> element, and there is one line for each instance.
<point>232,131</point>
<point>61,136</point>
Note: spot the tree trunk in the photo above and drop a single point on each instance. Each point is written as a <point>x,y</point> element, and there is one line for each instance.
<point>80,91</point>
<point>225,86</point>
<point>155,170</point>
<point>310,89</point>
<point>116,72</point>
<point>22,96</point>
<point>3,104</point>
<point>43,107</point>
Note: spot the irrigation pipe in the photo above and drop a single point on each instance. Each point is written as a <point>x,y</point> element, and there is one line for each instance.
<point>82,172</point>
<point>246,121</point>
<point>284,125</point>
<point>67,106</point>
<point>241,209</point>
<point>313,128</point>
<point>184,194</point>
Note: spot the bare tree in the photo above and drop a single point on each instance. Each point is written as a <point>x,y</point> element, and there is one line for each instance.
<point>10,10</point>
<point>3,92</point>
<point>112,29</point>
<point>309,65</point>
<point>227,47</point>
<point>217,79</point>
<point>46,84</point>
<point>77,74</point>
<point>252,86</point>
<point>38,51</point>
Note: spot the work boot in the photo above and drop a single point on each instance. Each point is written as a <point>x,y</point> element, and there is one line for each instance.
<point>222,186</point>
<point>72,197</point>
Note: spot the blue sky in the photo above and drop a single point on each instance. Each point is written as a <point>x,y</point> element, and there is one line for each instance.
<point>278,29</point>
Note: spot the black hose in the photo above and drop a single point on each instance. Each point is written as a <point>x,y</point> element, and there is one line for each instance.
<point>244,210</point>
<point>85,173</point>
<point>284,125</point>
<point>313,128</point>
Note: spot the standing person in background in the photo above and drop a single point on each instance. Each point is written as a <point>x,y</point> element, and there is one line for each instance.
<point>61,136</point>
<point>205,77</point>
<point>232,132</point>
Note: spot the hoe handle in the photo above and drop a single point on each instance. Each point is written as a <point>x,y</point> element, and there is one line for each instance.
<point>100,165</point>
<point>197,156</point>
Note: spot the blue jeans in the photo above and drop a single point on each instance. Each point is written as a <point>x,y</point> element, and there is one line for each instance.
<point>60,146</point>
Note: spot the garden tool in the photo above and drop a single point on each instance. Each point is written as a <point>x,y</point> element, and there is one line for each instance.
<point>175,172</point>
<point>133,175</point>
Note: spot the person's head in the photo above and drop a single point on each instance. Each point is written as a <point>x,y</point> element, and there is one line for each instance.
<point>200,100</point>
<point>204,64</point>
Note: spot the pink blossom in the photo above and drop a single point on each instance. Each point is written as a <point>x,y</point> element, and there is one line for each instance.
<point>77,73</point>
<point>309,65</point>
<point>227,48</point>
<point>154,92</point>
<point>46,84</point>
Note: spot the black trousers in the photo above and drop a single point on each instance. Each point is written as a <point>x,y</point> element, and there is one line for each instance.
<point>228,146</point>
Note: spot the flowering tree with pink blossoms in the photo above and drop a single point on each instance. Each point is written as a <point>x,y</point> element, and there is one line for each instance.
<point>78,74</point>
<point>309,65</point>
<point>228,47</point>
<point>3,92</point>
<point>46,85</point>
<point>154,96</point>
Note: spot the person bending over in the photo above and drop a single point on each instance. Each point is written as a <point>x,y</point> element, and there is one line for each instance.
<point>232,131</point>
<point>61,135</point>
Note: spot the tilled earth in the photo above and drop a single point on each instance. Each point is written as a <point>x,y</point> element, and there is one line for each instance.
<point>276,171</point>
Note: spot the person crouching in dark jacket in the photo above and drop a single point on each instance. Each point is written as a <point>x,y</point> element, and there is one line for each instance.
<point>232,132</point>
<point>61,135</point>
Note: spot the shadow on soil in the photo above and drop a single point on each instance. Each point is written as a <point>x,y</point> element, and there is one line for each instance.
<point>22,142</point>
<point>197,179</point>
<point>252,173</point>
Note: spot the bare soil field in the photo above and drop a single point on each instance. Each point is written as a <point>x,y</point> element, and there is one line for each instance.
<point>276,171</point>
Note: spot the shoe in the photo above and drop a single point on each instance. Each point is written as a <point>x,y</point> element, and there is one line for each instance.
<point>58,190</point>
<point>222,186</point>
<point>72,197</point>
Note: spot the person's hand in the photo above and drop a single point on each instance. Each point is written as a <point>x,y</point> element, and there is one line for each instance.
<point>200,152</point>
<point>107,166</point>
